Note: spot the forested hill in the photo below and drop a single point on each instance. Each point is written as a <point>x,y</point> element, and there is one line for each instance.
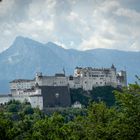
<point>96,122</point>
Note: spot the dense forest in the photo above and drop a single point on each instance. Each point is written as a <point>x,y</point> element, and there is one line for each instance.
<point>103,93</point>
<point>97,121</point>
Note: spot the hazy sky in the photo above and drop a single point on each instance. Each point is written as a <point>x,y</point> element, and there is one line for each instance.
<point>79,24</point>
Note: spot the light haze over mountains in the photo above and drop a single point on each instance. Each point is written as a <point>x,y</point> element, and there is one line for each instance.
<point>25,57</point>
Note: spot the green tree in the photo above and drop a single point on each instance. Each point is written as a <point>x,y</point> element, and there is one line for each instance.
<point>28,109</point>
<point>103,93</point>
<point>128,103</point>
<point>99,120</point>
<point>49,128</point>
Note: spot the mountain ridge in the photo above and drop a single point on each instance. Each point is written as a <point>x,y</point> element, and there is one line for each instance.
<point>25,57</point>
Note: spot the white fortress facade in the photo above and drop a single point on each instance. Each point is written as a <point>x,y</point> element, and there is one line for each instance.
<point>94,77</point>
<point>85,78</point>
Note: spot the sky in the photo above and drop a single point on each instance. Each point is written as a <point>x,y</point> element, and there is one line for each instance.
<point>78,24</point>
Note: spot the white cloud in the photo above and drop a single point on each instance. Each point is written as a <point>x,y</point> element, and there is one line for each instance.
<point>109,32</point>
<point>5,7</point>
<point>132,14</point>
<point>73,16</point>
<point>76,24</point>
<point>135,46</point>
<point>96,42</point>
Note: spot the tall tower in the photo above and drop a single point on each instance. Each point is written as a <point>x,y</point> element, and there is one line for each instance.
<point>113,75</point>
<point>124,78</point>
<point>38,78</point>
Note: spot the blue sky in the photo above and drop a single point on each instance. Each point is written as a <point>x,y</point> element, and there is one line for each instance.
<point>78,24</point>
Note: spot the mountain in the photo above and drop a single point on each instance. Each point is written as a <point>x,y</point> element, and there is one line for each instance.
<point>26,57</point>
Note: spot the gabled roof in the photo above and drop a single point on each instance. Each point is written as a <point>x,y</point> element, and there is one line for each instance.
<point>21,80</point>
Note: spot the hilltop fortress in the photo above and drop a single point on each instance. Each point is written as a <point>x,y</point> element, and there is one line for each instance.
<point>50,91</point>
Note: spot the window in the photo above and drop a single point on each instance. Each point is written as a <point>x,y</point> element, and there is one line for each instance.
<point>56,95</point>
<point>95,76</point>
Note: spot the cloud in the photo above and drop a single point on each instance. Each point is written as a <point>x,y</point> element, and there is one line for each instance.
<point>112,30</point>
<point>136,45</point>
<point>79,24</point>
<point>128,13</point>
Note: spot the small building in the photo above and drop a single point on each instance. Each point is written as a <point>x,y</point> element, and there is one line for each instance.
<point>77,104</point>
<point>20,85</point>
<point>56,80</point>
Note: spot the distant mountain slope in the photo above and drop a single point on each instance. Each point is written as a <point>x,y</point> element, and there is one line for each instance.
<point>25,57</point>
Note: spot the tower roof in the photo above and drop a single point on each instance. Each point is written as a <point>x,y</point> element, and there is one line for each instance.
<point>113,67</point>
